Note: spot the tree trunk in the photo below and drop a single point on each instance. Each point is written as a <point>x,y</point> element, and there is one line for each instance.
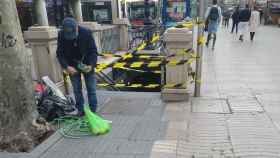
<point>17,106</point>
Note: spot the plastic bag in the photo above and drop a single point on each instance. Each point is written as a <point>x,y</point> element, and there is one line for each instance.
<point>97,125</point>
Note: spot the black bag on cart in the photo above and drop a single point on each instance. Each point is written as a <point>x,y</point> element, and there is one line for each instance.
<point>51,102</point>
<point>52,107</point>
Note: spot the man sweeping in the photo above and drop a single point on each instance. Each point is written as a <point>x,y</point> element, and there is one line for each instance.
<point>77,54</point>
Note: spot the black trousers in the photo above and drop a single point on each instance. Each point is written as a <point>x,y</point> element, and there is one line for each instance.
<point>226,23</point>
<point>209,38</point>
<point>252,35</point>
<point>234,26</point>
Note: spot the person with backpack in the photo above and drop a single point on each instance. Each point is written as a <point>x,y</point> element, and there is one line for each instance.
<point>213,17</point>
<point>226,17</point>
<point>244,18</point>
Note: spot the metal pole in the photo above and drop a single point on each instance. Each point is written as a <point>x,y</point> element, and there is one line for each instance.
<point>199,50</point>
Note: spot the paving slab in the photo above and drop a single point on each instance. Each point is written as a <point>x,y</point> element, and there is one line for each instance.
<point>245,104</point>
<point>126,106</point>
<point>211,105</point>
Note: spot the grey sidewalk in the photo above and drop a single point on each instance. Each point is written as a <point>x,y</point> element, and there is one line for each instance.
<point>238,115</point>
<point>245,76</point>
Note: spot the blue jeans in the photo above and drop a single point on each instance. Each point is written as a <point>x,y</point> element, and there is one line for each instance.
<point>78,91</point>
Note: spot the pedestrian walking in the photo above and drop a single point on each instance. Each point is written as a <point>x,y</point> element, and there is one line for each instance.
<point>77,54</point>
<point>244,17</point>
<point>254,22</point>
<point>213,16</point>
<point>235,20</point>
<point>261,15</point>
<point>226,17</point>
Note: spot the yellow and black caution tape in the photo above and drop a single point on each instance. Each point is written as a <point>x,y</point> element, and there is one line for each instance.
<point>101,67</point>
<point>142,46</point>
<point>145,56</point>
<point>183,52</point>
<point>201,40</point>
<point>198,81</point>
<point>194,78</point>
<point>142,71</point>
<point>142,64</point>
<point>130,56</point>
<point>190,24</point>
<point>136,85</point>
<point>200,23</point>
<point>190,61</point>
<point>155,38</point>
<point>149,64</point>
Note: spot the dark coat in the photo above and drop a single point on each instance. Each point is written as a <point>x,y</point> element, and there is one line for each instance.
<point>83,49</point>
<point>235,16</point>
<point>244,15</point>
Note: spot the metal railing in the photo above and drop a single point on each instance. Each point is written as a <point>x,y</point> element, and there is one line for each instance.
<point>107,38</point>
<point>138,34</point>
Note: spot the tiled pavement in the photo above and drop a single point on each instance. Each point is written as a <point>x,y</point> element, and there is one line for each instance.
<point>238,115</point>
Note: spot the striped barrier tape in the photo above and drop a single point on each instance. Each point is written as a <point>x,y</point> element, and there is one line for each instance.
<point>201,40</point>
<point>200,23</point>
<point>155,38</point>
<point>194,78</point>
<point>190,25</point>
<point>136,85</point>
<point>130,56</point>
<point>148,71</point>
<point>141,64</point>
<point>144,56</point>
<point>142,71</point>
<point>144,44</point>
<point>145,64</point>
<point>184,52</point>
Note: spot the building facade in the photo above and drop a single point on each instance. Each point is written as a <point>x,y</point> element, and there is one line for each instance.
<point>56,10</point>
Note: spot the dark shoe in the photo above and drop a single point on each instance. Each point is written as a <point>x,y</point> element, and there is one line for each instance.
<point>241,38</point>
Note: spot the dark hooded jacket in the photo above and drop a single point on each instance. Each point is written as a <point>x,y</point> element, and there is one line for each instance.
<point>72,52</point>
